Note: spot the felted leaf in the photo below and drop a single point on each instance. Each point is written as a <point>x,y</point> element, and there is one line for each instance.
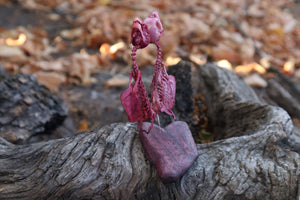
<point>163,93</point>
<point>131,102</point>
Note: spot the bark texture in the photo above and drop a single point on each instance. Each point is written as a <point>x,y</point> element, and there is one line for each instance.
<point>27,108</point>
<point>256,156</point>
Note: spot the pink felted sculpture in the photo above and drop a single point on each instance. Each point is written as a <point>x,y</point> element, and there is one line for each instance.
<point>135,99</point>
<point>172,149</point>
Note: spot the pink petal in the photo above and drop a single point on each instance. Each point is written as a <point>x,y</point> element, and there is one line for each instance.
<point>154,26</point>
<point>140,35</point>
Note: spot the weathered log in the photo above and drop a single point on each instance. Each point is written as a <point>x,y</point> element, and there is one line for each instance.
<point>27,108</point>
<point>254,158</point>
<point>257,160</point>
<point>283,97</point>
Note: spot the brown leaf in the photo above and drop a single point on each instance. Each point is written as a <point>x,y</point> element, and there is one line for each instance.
<point>224,52</point>
<point>255,10</point>
<point>82,65</point>
<point>117,81</point>
<point>247,50</point>
<point>50,65</point>
<point>12,53</point>
<point>83,126</point>
<point>245,70</point>
<point>72,33</point>
<point>52,80</point>
<point>255,80</point>
<point>194,29</point>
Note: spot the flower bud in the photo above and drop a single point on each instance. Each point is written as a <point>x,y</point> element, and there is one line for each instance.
<point>140,35</point>
<point>154,26</point>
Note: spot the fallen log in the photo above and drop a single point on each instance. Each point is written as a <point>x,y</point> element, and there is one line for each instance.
<point>253,157</point>
<point>283,97</point>
<point>27,108</point>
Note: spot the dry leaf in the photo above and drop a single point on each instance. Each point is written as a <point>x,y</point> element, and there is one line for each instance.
<point>52,80</point>
<point>117,81</point>
<point>207,29</point>
<point>255,10</point>
<point>247,50</point>
<point>255,80</point>
<point>50,65</point>
<point>72,33</point>
<point>289,66</point>
<point>83,126</point>
<point>144,57</point>
<point>194,29</point>
<point>224,52</point>
<point>12,53</point>
<point>245,70</point>
<point>82,66</point>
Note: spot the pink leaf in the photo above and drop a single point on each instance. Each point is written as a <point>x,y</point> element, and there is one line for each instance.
<point>163,93</point>
<point>131,102</point>
<point>135,101</point>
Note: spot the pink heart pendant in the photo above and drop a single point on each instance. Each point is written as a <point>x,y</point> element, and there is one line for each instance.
<point>171,150</point>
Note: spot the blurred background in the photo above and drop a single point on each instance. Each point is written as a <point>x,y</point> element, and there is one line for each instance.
<point>80,49</point>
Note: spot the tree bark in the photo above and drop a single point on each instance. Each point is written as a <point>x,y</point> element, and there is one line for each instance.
<point>256,156</point>
<point>27,108</point>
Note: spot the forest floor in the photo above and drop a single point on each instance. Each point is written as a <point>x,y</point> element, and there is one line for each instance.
<point>80,49</point>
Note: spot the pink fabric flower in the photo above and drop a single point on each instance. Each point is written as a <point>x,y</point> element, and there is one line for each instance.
<point>154,26</point>
<point>140,35</point>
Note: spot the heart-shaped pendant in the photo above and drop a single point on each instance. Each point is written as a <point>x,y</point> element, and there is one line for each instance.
<point>171,150</point>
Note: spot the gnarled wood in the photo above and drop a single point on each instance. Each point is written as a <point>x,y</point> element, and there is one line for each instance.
<point>27,108</point>
<point>257,160</point>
